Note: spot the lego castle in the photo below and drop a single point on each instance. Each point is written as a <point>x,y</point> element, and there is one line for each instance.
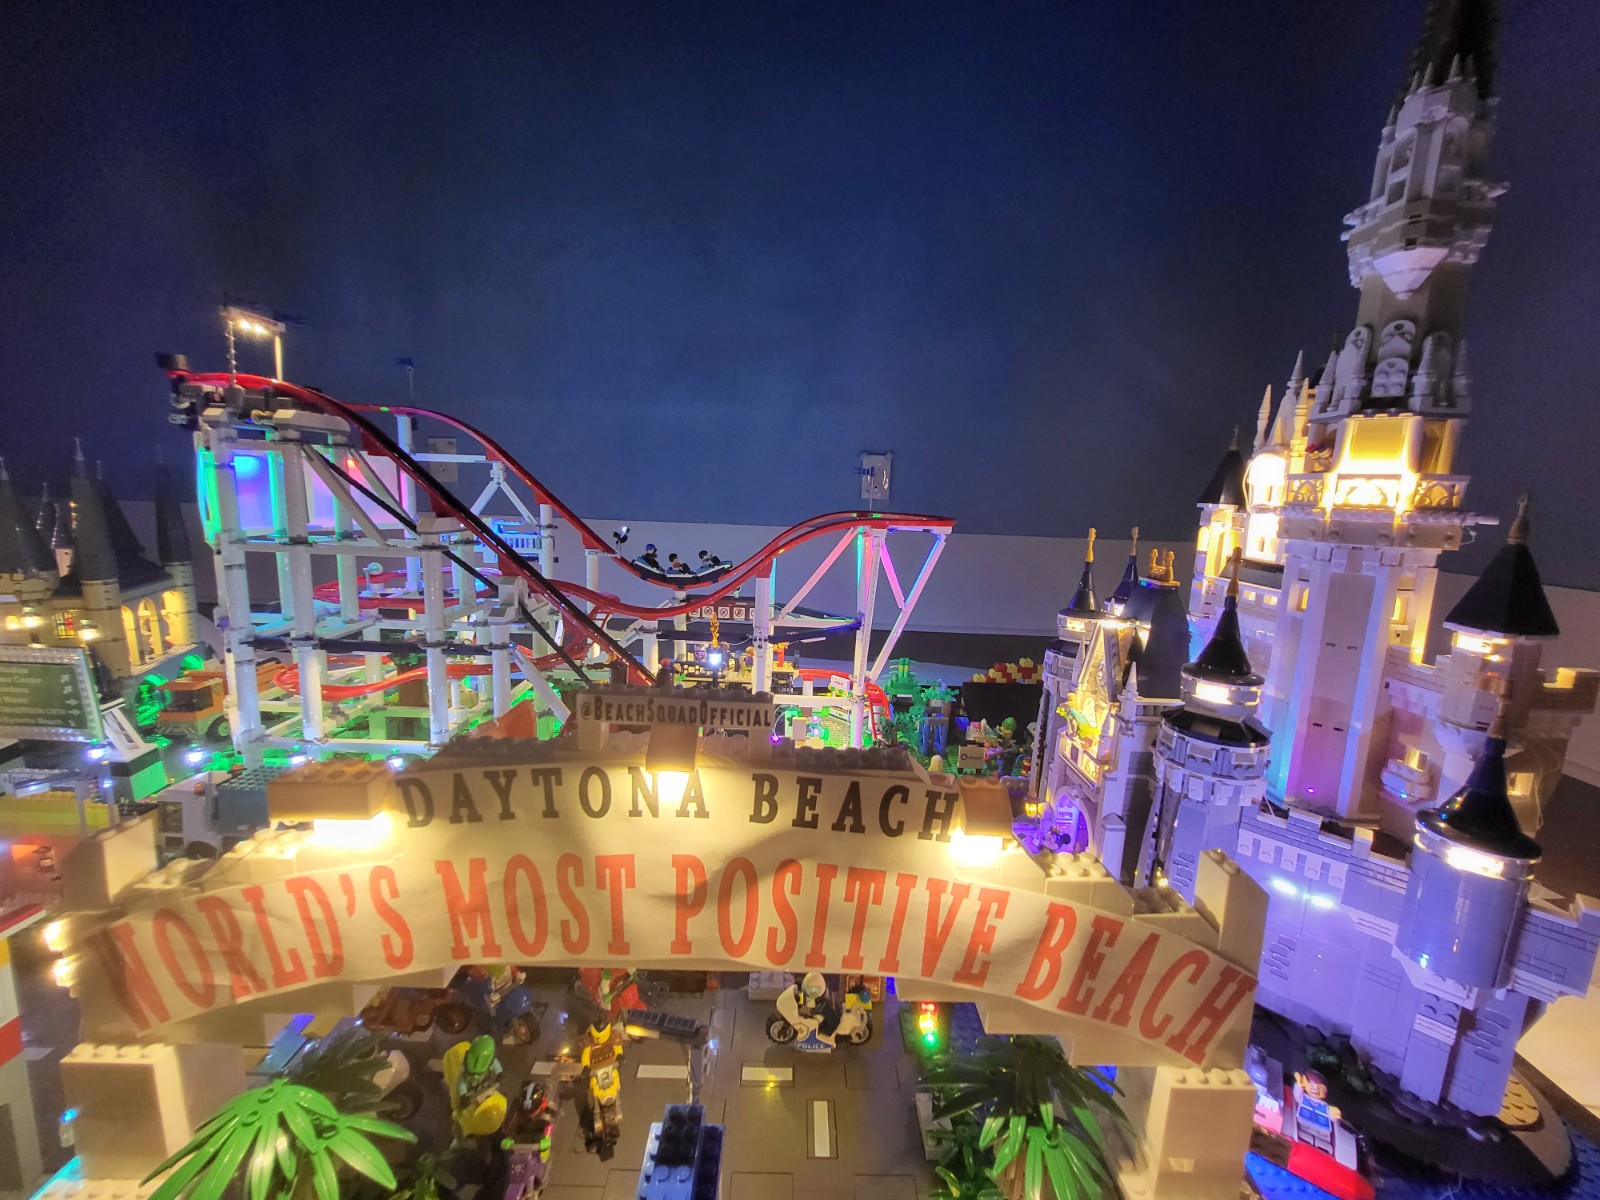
<point>1289,712</point>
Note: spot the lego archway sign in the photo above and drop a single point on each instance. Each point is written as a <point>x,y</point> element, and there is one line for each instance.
<point>552,858</point>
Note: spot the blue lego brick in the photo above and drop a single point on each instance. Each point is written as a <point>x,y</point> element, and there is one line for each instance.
<point>683,1158</point>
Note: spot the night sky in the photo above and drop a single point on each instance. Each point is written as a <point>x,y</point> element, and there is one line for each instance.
<point>687,259</point>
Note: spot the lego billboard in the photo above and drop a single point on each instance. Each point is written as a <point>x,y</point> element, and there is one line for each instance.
<point>570,860</point>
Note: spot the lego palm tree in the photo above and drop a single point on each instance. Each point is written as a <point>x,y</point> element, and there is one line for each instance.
<point>287,1140</point>
<point>1041,1116</point>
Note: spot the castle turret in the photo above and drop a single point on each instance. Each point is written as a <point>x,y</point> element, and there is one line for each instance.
<point>95,572</point>
<point>1157,641</point>
<point>1211,756</point>
<point>1130,579</point>
<point>172,548</point>
<point>1222,504</point>
<point>1471,865</point>
<point>22,551</point>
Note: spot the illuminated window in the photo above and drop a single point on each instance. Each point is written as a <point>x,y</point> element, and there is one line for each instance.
<point>1302,596</point>
<point>1399,610</point>
<point>66,625</point>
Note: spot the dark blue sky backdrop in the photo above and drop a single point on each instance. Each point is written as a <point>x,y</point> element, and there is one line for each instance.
<point>689,258</point>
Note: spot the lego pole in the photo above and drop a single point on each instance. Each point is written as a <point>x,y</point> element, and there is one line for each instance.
<point>866,595</point>
<point>242,702</point>
<point>405,437</point>
<point>301,611</point>
<point>761,631</point>
<point>433,639</point>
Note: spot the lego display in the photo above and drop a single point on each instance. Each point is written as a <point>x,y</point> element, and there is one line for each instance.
<point>1243,864</point>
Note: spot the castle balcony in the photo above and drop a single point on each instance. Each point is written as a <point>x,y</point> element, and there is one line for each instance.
<point>1379,494</point>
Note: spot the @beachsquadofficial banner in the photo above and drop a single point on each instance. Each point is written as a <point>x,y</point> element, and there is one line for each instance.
<point>584,861</point>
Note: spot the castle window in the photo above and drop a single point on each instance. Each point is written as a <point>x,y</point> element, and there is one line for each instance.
<point>66,626</point>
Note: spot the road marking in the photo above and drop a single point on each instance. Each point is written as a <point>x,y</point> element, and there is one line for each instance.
<point>678,1071</point>
<point>759,1075</point>
<point>822,1129</point>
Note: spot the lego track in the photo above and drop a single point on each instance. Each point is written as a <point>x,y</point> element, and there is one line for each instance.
<point>564,594</point>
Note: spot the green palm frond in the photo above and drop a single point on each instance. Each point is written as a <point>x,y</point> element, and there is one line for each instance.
<point>1044,1120</point>
<point>273,1136</point>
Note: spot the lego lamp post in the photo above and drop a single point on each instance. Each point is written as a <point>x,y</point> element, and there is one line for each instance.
<point>254,325</point>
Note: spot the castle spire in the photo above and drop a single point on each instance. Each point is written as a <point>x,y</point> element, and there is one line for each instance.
<point>1129,580</point>
<point>1224,658</point>
<point>93,559</point>
<point>1264,417</point>
<point>1508,598</point>
<point>1480,815</point>
<point>1083,602</point>
<point>1227,481</point>
<point>22,551</point>
<point>172,536</point>
<point>1456,35</point>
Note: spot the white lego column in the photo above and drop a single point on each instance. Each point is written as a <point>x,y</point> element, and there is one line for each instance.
<point>242,702</point>
<point>406,436</point>
<point>138,1104</point>
<point>347,569</point>
<point>866,595</point>
<point>300,603</point>
<point>761,633</point>
<point>1194,1129</point>
<point>433,638</point>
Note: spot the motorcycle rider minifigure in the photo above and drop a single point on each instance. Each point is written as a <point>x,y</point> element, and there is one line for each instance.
<point>807,1006</point>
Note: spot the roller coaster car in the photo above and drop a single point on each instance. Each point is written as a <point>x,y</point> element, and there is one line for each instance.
<point>680,578</point>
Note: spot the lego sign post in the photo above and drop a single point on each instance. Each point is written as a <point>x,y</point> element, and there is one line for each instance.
<point>568,860</point>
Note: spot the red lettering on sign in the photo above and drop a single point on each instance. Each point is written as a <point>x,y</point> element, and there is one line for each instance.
<point>1103,934</point>
<point>1117,1006</point>
<point>518,868</point>
<point>1060,923</point>
<point>327,958</point>
<point>243,978</point>
<point>735,947</point>
<point>904,885</point>
<point>569,875</point>
<point>690,890</point>
<point>938,929</point>
<point>788,877</point>
<point>613,874</point>
<point>469,910</point>
<point>398,948</point>
<point>865,888</point>
<point>130,979</point>
<point>1192,961</point>
<point>203,992</point>
<point>1208,1018</point>
<point>991,907</point>
<point>826,873</point>
<point>287,970</point>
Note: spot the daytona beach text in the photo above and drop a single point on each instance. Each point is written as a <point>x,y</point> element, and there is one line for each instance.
<point>551,793</point>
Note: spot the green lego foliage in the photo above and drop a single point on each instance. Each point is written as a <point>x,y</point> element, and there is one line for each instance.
<point>277,1137</point>
<point>1042,1117</point>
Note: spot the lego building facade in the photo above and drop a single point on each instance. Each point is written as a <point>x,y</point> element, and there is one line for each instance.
<point>1386,800</point>
<point>72,573</point>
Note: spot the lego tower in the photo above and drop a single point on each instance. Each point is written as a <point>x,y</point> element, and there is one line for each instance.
<point>1399,918</point>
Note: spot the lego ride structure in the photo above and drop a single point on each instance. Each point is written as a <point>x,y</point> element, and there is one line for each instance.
<point>289,473</point>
